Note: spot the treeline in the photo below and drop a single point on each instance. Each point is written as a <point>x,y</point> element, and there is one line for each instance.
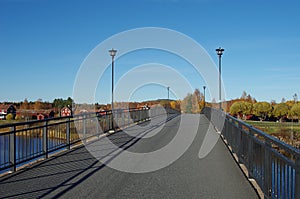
<point>247,109</point>
<point>192,103</point>
<point>39,104</point>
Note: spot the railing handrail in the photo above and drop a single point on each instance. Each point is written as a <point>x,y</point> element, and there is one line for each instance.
<point>107,112</point>
<point>274,164</point>
<point>268,137</point>
<point>34,137</point>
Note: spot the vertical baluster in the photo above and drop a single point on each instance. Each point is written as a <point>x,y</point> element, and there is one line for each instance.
<point>250,153</point>
<point>45,139</point>
<point>68,133</point>
<point>267,166</point>
<point>84,128</point>
<point>12,148</point>
<point>297,177</point>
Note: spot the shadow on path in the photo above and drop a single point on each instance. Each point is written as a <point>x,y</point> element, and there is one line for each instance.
<point>57,175</point>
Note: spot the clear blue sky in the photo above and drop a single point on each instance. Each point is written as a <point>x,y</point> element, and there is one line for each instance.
<point>44,42</point>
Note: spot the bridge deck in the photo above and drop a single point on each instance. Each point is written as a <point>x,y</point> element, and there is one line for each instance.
<point>78,174</point>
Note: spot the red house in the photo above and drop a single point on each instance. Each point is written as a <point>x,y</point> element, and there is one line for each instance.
<point>65,111</point>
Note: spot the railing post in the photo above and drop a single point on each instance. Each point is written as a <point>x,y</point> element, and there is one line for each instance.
<point>97,125</point>
<point>139,116</point>
<point>108,123</point>
<point>129,117</point>
<point>297,178</point>
<point>45,139</point>
<point>239,142</point>
<point>68,133</point>
<point>250,153</point>
<point>267,168</point>
<point>84,128</point>
<point>12,148</point>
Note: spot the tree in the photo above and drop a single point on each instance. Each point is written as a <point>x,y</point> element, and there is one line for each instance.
<point>186,104</point>
<point>273,102</point>
<point>164,103</point>
<point>69,102</point>
<point>175,105</point>
<point>241,108</point>
<point>9,116</point>
<point>262,110</point>
<point>38,104</point>
<point>236,108</point>
<point>244,95</point>
<point>196,101</point>
<point>248,106</point>
<point>60,103</point>
<point>25,104</point>
<point>295,111</point>
<point>281,110</point>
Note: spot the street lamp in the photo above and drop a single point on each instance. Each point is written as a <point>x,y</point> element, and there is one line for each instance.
<point>112,53</point>
<point>204,87</point>
<point>220,53</point>
<point>168,93</point>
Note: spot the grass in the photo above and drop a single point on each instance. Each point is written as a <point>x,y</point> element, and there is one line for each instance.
<point>289,132</point>
<point>276,127</point>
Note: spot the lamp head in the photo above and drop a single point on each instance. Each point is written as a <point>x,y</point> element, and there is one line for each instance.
<point>219,51</point>
<point>112,52</point>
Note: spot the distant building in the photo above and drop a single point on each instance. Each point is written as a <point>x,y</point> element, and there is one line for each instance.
<point>65,111</point>
<point>51,114</point>
<point>41,116</point>
<point>7,109</point>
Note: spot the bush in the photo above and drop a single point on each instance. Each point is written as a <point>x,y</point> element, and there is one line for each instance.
<point>18,117</point>
<point>9,116</point>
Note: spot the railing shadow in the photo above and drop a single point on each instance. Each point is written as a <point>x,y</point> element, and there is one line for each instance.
<point>57,175</point>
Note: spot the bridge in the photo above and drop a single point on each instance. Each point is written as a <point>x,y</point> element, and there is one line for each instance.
<point>243,162</point>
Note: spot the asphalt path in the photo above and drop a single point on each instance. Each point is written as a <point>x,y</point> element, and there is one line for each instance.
<point>78,174</point>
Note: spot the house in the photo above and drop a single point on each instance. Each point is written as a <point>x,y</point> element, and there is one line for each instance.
<point>65,111</point>
<point>41,116</point>
<point>7,109</point>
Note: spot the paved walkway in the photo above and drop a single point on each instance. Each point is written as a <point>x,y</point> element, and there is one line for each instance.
<point>78,174</point>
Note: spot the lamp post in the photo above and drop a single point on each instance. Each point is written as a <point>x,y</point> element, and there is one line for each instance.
<point>204,87</point>
<point>168,93</point>
<point>220,53</point>
<point>112,53</point>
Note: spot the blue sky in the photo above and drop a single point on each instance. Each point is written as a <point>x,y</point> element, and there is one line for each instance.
<point>44,42</point>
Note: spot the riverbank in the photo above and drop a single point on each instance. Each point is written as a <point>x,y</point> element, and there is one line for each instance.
<point>288,132</point>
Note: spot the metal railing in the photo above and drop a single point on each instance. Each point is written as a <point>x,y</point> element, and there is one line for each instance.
<point>24,142</point>
<point>273,164</point>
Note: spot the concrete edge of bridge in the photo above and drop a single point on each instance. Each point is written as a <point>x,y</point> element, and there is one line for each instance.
<point>244,169</point>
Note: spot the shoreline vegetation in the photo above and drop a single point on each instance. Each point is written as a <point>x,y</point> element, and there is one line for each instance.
<point>288,132</point>
<point>277,119</point>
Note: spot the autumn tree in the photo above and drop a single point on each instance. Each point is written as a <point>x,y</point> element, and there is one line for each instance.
<point>186,104</point>
<point>196,97</point>
<point>236,108</point>
<point>241,108</point>
<point>164,103</point>
<point>38,104</point>
<point>295,111</point>
<point>262,110</point>
<point>281,110</point>
<point>175,105</point>
<point>25,104</point>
